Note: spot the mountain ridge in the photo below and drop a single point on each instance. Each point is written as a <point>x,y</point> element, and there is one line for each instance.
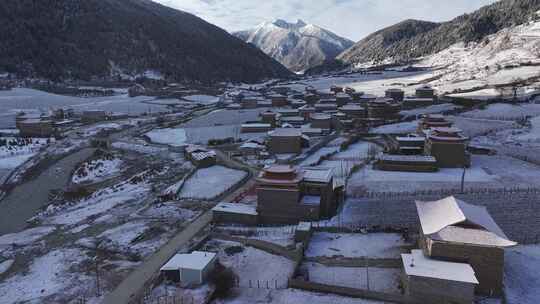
<point>88,39</point>
<point>412,39</point>
<point>298,46</point>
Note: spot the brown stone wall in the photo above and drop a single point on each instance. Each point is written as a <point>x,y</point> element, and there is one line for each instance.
<point>276,205</point>
<point>285,145</point>
<point>448,155</point>
<point>487,262</point>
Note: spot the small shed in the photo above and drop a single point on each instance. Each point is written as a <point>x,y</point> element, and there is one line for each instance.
<point>189,269</point>
<point>432,281</point>
<point>234,213</point>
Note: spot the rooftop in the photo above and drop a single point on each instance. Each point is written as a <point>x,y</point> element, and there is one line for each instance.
<point>318,175</point>
<point>286,132</point>
<point>235,208</point>
<point>438,215</point>
<point>197,260</point>
<point>416,264</point>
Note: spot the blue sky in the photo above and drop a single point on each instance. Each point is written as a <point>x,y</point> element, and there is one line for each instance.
<point>353,19</point>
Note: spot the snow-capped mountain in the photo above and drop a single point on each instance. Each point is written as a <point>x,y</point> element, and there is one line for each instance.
<point>299,46</point>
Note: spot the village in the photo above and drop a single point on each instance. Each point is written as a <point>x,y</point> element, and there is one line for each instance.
<point>362,188</point>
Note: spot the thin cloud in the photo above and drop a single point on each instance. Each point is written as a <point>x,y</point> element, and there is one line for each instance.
<point>353,19</point>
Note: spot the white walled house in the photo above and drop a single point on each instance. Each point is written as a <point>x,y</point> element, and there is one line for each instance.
<point>189,269</point>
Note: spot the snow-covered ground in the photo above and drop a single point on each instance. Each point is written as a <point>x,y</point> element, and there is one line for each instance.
<point>97,170</point>
<point>171,137</point>
<point>48,276</point>
<point>377,279</point>
<point>434,109</point>
<point>489,62</point>
<point>252,264</point>
<point>283,236</point>
<point>287,296</point>
<point>356,245</point>
<point>209,183</point>
<point>504,111</point>
<point>98,203</point>
<point>485,172</point>
<point>25,237</point>
<point>397,128</point>
<point>522,275</point>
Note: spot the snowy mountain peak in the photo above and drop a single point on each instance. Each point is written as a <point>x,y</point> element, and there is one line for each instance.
<point>286,25</point>
<point>299,46</point>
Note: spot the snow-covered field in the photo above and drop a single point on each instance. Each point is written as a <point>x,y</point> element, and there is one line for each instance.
<point>252,264</point>
<point>376,279</point>
<point>505,111</point>
<point>288,296</point>
<point>397,128</point>
<point>485,63</point>
<point>171,137</point>
<point>48,276</point>
<point>434,109</point>
<point>209,183</point>
<point>98,203</point>
<point>485,172</point>
<point>356,245</point>
<point>25,237</point>
<point>522,275</point>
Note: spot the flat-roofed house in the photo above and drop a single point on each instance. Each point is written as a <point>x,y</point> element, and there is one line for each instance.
<point>250,102</point>
<point>306,111</point>
<point>235,213</point>
<point>296,121</point>
<point>189,269</point>
<point>321,107</point>
<point>425,92</point>
<point>318,183</point>
<point>256,127</point>
<point>411,145</point>
<point>407,163</point>
<point>396,94</point>
<point>93,116</point>
<point>386,109</point>
<point>279,100</point>
<point>311,98</point>
<point>430,121</point>
<point>321,121</point>
<point>288,195</point>
<point>448,146</point>
<point>342,99</point>
<point>269,117</point>
<point>285,141</point>
<point>455,231</point>
<point>353,111</point>
<point>36,127</point>
<point>431,281</point>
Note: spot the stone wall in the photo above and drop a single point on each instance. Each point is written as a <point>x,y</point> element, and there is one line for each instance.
<point>517,212</point>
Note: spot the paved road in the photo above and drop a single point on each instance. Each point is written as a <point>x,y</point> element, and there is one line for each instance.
<point>25,200</point>
<point>136,280</point>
